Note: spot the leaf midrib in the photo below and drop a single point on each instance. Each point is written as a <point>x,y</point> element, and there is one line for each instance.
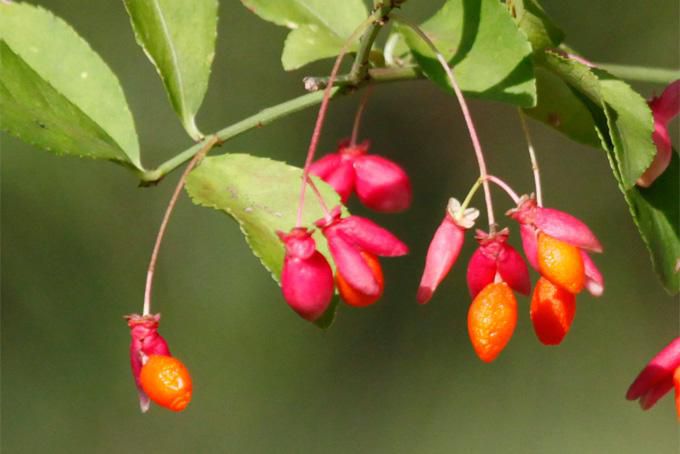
<point>319,18</point>
<point>173,54</point>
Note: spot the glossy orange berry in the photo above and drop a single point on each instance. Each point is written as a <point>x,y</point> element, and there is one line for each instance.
<point>166,381</point>
<point>354,297</point>
<point>491,320</point>
<point>561,263</point>
<point>552,311</point>
<point>676,382</point>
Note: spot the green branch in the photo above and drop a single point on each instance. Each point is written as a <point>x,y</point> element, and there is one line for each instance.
<point>641,73</point>
<point>359,69</point>
<point>258,120</point>
<point>375,75</point>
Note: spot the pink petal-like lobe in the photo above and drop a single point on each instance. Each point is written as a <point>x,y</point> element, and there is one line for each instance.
<point>664,109</point>
<point>145,342</point>
<point>660,368</point>
<point>656,392</point>
<point>306,279</point>
<point>594,279</point>
<point>370,237</point>
<point>667,106</point>
<point>555,223</point>
<point>481,271</point>
<point>662,158</point>
<point>441,255</point>
<point>307,285</point>
<point>495,258</point>
<point>351,265</point>
<point>567,228</point>
<point>529,244</point>
<point>342,180</point>
<point>381,184</point>
<point>325,166</point>
<point>513,270</point>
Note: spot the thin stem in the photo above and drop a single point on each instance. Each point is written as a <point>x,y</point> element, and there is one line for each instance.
<point>641,73</point>
<point>466,115</point>
<point>358,115</point>
<point>321,116</point>
<point>470,194</point>
<point>532,157</point>
<point>206,146</point>
<point>504,186</point>
<point>324,207</point>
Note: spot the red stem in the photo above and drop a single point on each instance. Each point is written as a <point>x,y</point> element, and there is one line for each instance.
<point>210,142</point>
<point>321,116</point>
<point>357,117</point>
<point>466,115</point>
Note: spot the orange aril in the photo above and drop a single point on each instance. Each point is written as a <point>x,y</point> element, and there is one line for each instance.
<point>352,296</point>
<point>491,320</point>
<point>552,311</point>
<point>166,381</point>
<point>561,263</point>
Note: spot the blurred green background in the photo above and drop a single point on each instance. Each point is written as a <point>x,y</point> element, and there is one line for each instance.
<point>393,378</point>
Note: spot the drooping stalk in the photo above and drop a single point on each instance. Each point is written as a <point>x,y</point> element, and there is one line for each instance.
<point>534,162</point>
<point>206,146</point>
<point>358,115</point>
<point>481,163</point>
<point>321,116</point>
<point>505,187</point>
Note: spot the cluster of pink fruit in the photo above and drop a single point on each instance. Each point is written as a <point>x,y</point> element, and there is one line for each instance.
<point>354,242</point>
<point>554,242</point>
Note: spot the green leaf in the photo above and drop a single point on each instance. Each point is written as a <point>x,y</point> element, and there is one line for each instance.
<point>35,112</point>
<point>631,125</point>
<point>561,107</point>
<point>261,195</point>
<point>178,36</point>
<point>319,27</point>
<point>624,123</point>
<point>629,119</point>
<point>535,23</point>
<point>64,70</point>
<point>490,56</point>
<point>657,215</point>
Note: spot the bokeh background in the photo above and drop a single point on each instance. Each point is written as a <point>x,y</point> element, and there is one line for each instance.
<point>393,378</point>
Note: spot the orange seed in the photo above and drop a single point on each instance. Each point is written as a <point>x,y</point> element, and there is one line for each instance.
<point>491,320</point>
<point>352,296</point>
<point>561,263</point>
<point>552,312</point>
<point>166,381</point>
